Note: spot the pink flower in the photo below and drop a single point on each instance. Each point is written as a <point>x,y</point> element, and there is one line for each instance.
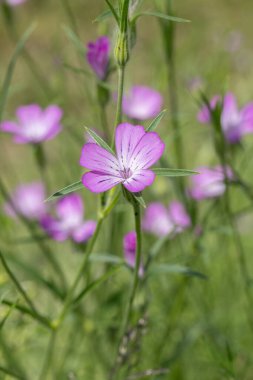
<point>235,123</point>
<point>129,244</point>
<point>34,125</point>
<point>210,183</point>
<point>136,150</point>
<point>162,221</point>
<point>28,201</point>
<point>98,56</point>
<point>142,103</point>
<point>69,222</point>
<point>204,115</point>
<point>13,3</point>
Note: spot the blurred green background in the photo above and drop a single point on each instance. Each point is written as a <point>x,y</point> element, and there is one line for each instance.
<point>198,329</point>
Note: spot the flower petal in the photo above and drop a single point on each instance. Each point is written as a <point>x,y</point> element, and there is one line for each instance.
<point>70,211</point>
<point>126,138</point>
<point>98,182</point>
<point>149,149</point>
<point>10,127</point>
<point>84,232</point>
<point>139,180</point>
<point>96,158</point>
<point>157,220</point>
<point>29,113</point>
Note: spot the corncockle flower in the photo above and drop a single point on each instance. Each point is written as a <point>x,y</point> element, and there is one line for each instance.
<point>137,150</point>
<point>69,222</point>
<point>98,56</point>
<point>13,3</point>
<point>28,201</point>
<point>129,244</point>
<point>162,221</point>
<point>142,103</point>
<point>234,122</point>
<point>204,115</point>
<point>210,183</point>
<point>34,124</point>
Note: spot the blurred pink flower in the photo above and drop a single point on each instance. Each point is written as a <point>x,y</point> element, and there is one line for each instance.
<point>210,183</point>
<point>136,149</point>
<point>34,125</point>
<point>142,103</point>
<point>235,123</point>
<point>129,244</point>
<point>13,3</point>
<point>162,221</point>
<point>69,222</point>
<point>204,115</point>
<point>98,56</point>
<point>28,201</point>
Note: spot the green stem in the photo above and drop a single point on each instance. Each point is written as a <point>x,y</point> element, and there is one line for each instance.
<point>31,228</point>
<point>70,295</point>
<point>17,284</point>
<point>49,356</point>
<point>128,312</point>
<point>118,118</point>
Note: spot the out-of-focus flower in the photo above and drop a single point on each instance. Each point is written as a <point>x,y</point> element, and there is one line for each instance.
<point>161,221</point>
<point>69,221</point>
<point>137,150</point>
<point>34,125</point>
<point>98,56</point>
<point>142,103</point>
<point>28,201</point>
<point>204,115</point>
<point>129,244</point>
<point>13,3</point>
<point>235,123</point>
<point>210,183</point>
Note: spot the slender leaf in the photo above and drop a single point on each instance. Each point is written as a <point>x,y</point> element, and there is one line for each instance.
<point>139,199</point>
<point>154,124</point>
<point>174,268</point>
<point>160,15</point>
<point>10,373</point>
<point>76,70</point>
<point>75,39</point>
<point>66,190</point>
<point>168,172</point>
<point>95,283</point>
<point>11,67</point>
<point>114,11</point>
<point>99,140</point>
<point>25,310</point>
<point>105,258</point>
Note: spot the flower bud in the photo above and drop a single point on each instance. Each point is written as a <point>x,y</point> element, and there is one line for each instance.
<point>121,52</point>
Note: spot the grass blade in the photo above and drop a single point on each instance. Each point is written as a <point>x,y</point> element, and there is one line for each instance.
<point>174,268</point>
<point>11,67</point>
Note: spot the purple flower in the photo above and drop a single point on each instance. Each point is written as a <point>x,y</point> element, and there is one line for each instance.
<point>204,115</point>
<point>162,221</point>
<point>129,244</point>
<point>210,183</point>
<point>13,3</point>
<point>98,56</point>
<point>34,125</point>
<point>142,103</point>
<point>137,151</point>
<point>69,222</point>
<point>28,201</point>
<point>234,122</point>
